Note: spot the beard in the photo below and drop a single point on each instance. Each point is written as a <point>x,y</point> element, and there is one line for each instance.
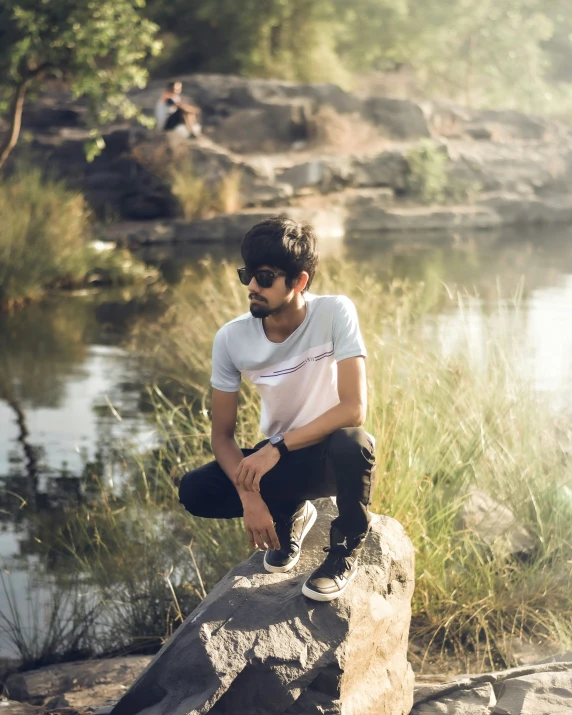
<point>261,311</point>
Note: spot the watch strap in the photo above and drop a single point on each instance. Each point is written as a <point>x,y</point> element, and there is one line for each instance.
<point>280,445</point>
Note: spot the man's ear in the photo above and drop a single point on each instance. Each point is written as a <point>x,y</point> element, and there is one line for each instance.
<point>301,281</point>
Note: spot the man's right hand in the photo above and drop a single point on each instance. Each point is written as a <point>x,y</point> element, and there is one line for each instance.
<point>257,517</point>
<point>259,524</point>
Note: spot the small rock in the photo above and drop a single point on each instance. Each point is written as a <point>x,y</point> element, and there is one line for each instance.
<point>56,703</point>
<point>496,525</point>
<point>474,701</point>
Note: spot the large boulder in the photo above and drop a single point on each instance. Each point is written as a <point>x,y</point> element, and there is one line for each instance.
<point>220,95</point>
<point>272,126</point>
<point>256,645</point>
<point>253,115</point>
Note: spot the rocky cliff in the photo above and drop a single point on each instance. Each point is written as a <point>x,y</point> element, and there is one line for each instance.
<point>310,149</point>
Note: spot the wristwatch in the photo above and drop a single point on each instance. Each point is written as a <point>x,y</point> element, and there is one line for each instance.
<point>278,441</point>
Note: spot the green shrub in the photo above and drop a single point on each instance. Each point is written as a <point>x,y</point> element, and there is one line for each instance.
<point>428,179</point>
<point>44,237</point>
<point>45,241</point>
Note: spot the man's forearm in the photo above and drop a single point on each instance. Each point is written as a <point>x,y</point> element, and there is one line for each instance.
<point>229,455</point>
<point>338,417</point>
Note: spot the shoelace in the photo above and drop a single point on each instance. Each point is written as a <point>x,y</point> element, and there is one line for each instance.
<point>337,561</point>
<point>284,534</point>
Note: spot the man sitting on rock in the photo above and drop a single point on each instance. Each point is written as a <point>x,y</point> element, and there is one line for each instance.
<point>171,112</point>
<point>306,356</point>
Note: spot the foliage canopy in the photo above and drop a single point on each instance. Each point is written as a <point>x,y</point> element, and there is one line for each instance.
<point>479,51</point>
<point>96,46</point>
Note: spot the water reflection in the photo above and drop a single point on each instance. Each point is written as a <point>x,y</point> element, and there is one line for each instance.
<point>59,372</point>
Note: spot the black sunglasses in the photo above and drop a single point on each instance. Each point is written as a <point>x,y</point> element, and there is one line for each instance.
<point>264,277</point>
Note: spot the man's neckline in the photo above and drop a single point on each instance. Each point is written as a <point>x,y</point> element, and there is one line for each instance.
<point>281,342</point>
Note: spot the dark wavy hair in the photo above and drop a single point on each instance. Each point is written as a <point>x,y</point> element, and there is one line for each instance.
<point>280,242</point>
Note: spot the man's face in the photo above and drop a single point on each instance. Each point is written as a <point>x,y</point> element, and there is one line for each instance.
<point>269,301</point>
<point>178,88</point>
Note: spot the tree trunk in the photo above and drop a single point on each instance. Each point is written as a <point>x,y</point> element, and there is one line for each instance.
<point>29,451</point>
<point>15,122</point>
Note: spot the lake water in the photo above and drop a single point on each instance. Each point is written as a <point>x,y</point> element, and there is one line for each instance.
<point>70,395</point>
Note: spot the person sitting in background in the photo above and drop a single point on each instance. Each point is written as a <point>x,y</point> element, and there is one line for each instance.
<point>171,112</point>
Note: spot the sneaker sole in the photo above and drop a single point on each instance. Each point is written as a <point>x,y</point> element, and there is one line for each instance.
<point>316,596</point>
<point>290,566</point>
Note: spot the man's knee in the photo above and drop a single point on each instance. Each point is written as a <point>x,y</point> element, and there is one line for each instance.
<point>350,443</point>
<point>191,493</point>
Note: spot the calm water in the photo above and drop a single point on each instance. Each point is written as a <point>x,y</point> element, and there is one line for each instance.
<point>62,365</point>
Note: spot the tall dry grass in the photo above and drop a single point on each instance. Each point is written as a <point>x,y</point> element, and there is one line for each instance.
<point>447,416</point>
<point>44,236</point>
<point>45,241</point>
<point>445,420</point>
<point>199,198</point>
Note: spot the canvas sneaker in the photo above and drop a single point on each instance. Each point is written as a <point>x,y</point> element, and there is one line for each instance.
<point>335,574</point>
<point>291,533</point>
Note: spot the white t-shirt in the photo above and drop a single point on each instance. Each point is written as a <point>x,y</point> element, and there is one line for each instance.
<point>164,109</point>
<point>297,378</point>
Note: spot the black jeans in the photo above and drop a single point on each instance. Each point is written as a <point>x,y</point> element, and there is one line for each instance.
<point>342,465</point>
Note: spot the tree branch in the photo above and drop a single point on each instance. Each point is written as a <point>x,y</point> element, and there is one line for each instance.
<point>15,117</point>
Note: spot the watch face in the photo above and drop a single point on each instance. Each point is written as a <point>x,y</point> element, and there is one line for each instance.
<point>276,439</point>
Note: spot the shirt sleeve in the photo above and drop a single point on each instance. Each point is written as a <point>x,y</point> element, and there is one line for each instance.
<point>224,376</point>
<point>348,341</point>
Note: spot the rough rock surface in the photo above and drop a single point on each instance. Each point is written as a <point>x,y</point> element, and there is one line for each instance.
<point>541,689</point>
<point>512,169</point>
<point>236,110</point>
<point>82,684</point>
<point>328,224</point>
<point>257,645</point>
<point>401,118</point>
<point>454,120</point>
<point>389,168</point>
<point>373,214</point>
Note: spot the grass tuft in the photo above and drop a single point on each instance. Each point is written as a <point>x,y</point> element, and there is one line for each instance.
<point>44,237</point>
<point>199,198</point>
<point>45,241</point>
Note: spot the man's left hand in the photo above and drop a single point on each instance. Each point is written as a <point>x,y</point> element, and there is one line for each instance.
<point>252,468</point>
